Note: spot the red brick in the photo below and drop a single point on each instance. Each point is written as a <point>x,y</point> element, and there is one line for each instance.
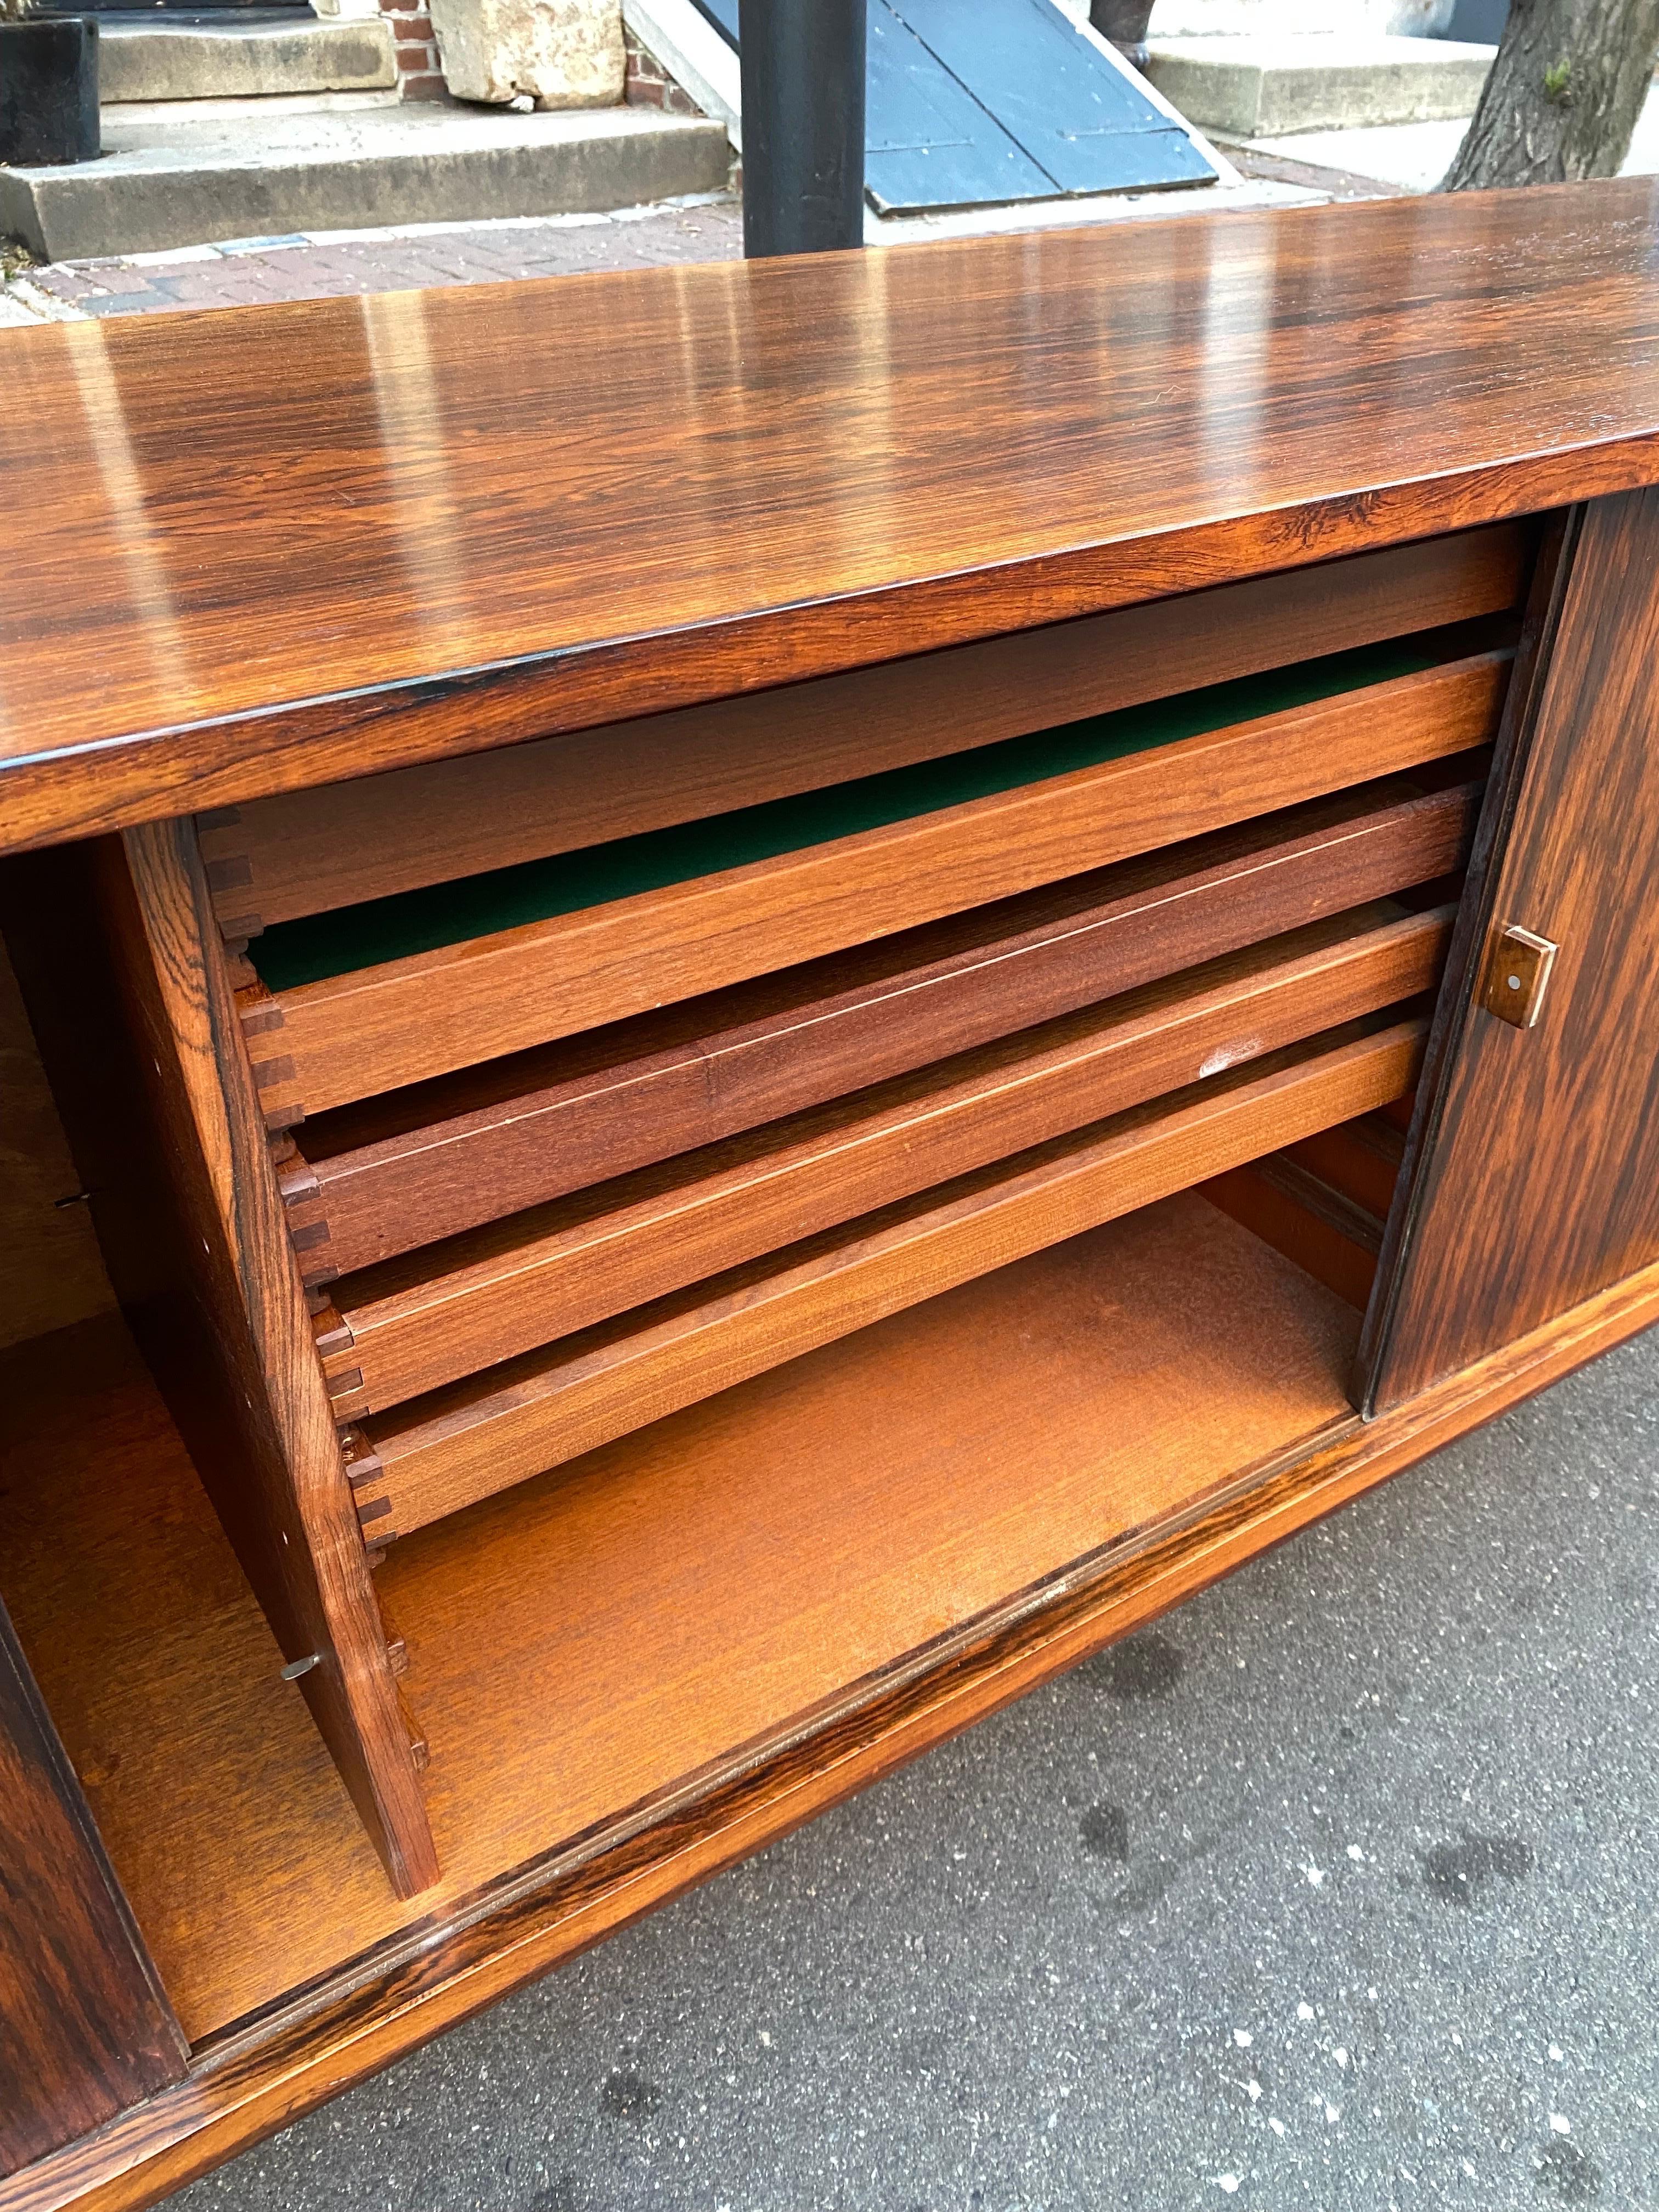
<point>649,84</point>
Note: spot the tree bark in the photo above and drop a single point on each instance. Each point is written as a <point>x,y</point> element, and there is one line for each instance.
<point>1564,95</point>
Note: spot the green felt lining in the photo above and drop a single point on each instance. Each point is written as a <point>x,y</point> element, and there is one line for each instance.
<point>321,945</point>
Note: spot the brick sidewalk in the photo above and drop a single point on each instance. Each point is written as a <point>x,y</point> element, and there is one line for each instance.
<point>251,271</point>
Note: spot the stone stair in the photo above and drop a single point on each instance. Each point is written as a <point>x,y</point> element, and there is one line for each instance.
<point>1265,87</point>
<point>1266,68</point>
<point>285,123</point>
<point>269,56</point>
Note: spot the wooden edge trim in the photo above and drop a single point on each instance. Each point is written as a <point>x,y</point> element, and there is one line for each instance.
<point>246,2086</point>
<point>195,766</point>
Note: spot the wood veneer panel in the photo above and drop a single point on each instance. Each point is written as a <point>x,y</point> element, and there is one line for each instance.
<point>392,1173</point>
<point>319,537</point>
<point>734,1576</point>
<point>84,2028</point>
<point>447,1450</point>
<point>1541,1179</point>
<point>414,1986</point>
<point>125,973</point>
<point>377,1028</point>
<point>413,1325</point>
<point>300,853</point>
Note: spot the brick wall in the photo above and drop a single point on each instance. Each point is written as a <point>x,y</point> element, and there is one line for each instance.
<point>649,84</point>
<point>419,77</point>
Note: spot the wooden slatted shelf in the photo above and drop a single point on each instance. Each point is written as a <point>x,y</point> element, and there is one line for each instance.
<point>414,1325</point>
<point>374,1029</point>
<point>271,860</point>
<point>391,1174</point>
<point>446,1451</point>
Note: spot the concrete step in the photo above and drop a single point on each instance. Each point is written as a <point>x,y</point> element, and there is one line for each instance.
<point>168,179</point>
<point>1257,19</point>
<point>157,60</point>
<point>1265,88</point>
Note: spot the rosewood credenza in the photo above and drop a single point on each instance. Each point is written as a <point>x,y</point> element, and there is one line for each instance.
<point>741,1003</point>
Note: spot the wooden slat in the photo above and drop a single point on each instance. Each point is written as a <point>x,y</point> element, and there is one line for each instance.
<point>380,1027</point>
<point>303,851</point>
<point>415,1324</point>
<point>476,1439</point>
<point>388,1176</point>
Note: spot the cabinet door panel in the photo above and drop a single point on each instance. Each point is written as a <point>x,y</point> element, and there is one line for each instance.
<point>84,2029</point>
<point>1540,1181</point>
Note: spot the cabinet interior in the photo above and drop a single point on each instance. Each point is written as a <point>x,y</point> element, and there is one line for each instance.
<point>811,1299</point>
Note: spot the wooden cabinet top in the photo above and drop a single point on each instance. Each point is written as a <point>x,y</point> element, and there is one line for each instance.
<point>255,549</point>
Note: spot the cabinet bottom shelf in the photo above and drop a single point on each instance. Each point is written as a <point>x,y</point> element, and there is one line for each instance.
<point>615,1638</point>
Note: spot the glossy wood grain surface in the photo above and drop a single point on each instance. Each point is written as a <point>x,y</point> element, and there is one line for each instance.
<point>1542,1183</point>
<point>84,2028</point>
<point>280,546</point>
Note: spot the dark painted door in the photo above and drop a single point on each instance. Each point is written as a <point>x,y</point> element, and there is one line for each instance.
<point>1541,1186</point>
<point>975,103</point>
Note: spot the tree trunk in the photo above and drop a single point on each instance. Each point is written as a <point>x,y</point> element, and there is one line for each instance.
<point>1563,94</point>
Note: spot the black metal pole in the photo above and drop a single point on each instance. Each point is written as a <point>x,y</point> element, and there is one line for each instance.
<point>802,124</point>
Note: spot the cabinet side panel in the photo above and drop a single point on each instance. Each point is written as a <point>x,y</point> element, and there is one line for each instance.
<point>1540,1184</point>
<point>84,2029</point>
<point>51,1274</point>
<point>133,1008</point>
